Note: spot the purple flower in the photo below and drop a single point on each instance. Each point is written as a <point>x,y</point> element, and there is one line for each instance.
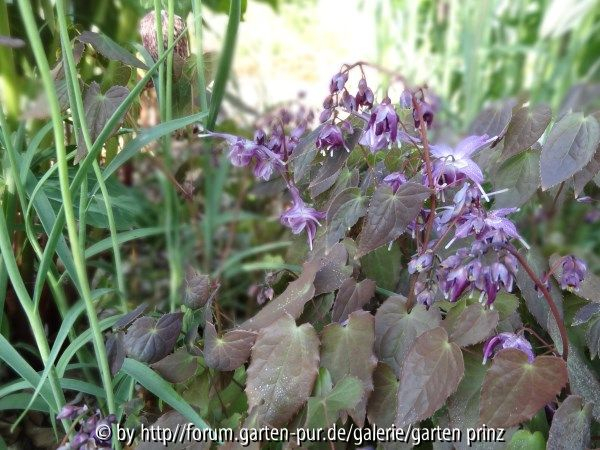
<point>425,294</point>
<point>455,164</point>
<point>382,129</point>
<point>406,100</point>
<point>244,151</point>
<point>364,96</point>
<point>301,216</point>
<point>395,180</point>
<point>71,411</point>
<point>427,111</point>
<point>349,102</point>
<point>573,273</point>
<point>330,138</point>
<point>507,340</point>
<point>337,82</point>
<point>420,262</point>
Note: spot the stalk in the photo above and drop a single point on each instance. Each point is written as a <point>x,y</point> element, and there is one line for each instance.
<point>61,161</point>
<point>78,112</point>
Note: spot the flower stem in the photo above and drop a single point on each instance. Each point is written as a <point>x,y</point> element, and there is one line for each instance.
<point>553,308</point>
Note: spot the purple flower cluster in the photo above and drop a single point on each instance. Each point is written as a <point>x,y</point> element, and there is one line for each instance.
<point>93,431</point>
<point>507,340</point>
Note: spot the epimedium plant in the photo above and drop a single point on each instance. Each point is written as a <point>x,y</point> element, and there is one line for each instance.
<point>472,332</point>
<point>415,272</point>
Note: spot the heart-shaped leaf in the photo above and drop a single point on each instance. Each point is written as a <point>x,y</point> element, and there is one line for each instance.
<point>526,127</point>
<point>323,411</point>
<point>351,297</point>
<point>282,371</point>
<point>473,325</point>
<point>348,351</point>
<point>198,288</point>
<point>430,373</point>
<point>177,367</point>
<point>291,301</point>
<point>229,351</point>
<point>381,409</point>
<point>570,146</point>
<point>98,109</point>
<point>570,425</point>
<point>592,337</point>
<point>148,340</point>
<point>389,214</point>
<point>515,389</point>
<point>493,120</point>
<point>304,154</point>
<point>396,329</point>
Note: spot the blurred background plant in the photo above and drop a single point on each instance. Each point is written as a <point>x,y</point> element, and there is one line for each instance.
<point>153,199</point>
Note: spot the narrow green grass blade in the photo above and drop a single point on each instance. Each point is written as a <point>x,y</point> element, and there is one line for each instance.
<point>125,236</point>
<point>162,389</point>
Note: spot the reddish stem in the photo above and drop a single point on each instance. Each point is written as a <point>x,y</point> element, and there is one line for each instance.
<point>547,296</point>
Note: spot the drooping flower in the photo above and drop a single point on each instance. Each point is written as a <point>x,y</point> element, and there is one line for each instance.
<point>420,262</point>
<point>364,96</point>
<point>455,164</point>
<point>337,82</point>
<point>427,111</point>
<point>330,138</point>
<point>425,294</point>
<point>382,129</point>
<point>93,432</point>
<point>573,273</point>
<point>395,180</point>
<point>507,340</point>
<point>300,216</point>
<point>242,152</point>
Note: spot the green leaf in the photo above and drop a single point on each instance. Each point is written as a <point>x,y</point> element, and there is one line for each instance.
<point>569,148</point>
<point>323,411</point>
<point>148,340</point>
<point>344,211</point>
<point>396,329</point>
<point>526,127</point>
<point>521,176</point>
<point>383,266</point>
<point>282,371</point>
<point>351,297</point>
<point>473,325</point>
<point>229,351</point>
<point>175,423</point>
<point>515,389</point>
<point>584,380</point>
<point>348,351</point>
<point>291,301</point>
<point>381,408</point>
<point>571,425</point>
<point>177,367</point>
<point>110,49</point>
<point>163,390</point>
<point>389,214</point>
<point>525,439</point>
<point>430,373</point>
<point>304,154</point>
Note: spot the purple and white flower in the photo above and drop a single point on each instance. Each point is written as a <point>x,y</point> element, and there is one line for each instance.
<point>507,340</point>
<point>382,128</point>
<point>573,273</point>
<point>301,217</point>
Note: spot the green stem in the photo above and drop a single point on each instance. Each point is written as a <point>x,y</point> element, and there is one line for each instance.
<point>63,173</point>
<point>197,13</point>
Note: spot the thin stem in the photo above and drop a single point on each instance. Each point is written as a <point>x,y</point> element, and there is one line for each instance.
<point>63,173</point>
<point>197,14</point>
<point>553,308</point>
